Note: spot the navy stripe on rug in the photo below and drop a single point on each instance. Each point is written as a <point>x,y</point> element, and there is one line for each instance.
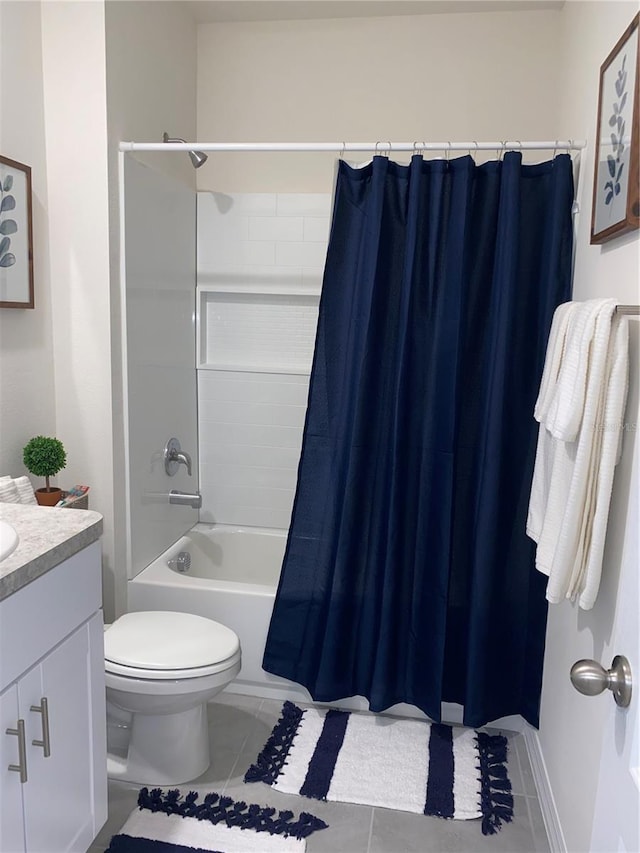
<point>131,844</point>
<point>439,800</point>
<point>323,760</point>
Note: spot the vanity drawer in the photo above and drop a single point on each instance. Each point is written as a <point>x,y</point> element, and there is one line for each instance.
<point>40,615</point>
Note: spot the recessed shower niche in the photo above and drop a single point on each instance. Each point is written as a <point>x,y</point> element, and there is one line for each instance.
<point>262,332</point>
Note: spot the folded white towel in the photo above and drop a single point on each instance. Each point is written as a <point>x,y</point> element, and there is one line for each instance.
<point>25,490</point>
<point>17,491</point>
<point>567,398</point>
<point>580,413</point>
<point>8,491</point>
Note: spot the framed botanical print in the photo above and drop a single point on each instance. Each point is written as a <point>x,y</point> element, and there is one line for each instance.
<point>616,185</point>
<point>16,235</point>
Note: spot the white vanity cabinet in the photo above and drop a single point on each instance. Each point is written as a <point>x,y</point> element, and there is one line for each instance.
<point>53,784</point>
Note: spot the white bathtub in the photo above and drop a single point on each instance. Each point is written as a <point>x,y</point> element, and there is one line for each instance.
<point>232,578</point>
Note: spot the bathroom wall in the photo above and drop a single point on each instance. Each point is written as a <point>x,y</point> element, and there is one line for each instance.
<point>75,134</point>
<point>572,726</point>
<point>459,76</point>
<point>151,85</point>
<point>27,399</point>
<point>55,359</point>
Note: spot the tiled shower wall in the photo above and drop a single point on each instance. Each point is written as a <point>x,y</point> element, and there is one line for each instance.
<point>260,263</point>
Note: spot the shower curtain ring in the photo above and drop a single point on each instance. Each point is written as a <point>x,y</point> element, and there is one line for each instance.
<point>474,156</point>
<point>388,154</point>
<point>555,149</point>
<point>447,151</point>
<point>343,149</point>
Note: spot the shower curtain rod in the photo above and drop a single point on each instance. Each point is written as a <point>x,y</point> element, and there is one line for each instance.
<point>380,147</point>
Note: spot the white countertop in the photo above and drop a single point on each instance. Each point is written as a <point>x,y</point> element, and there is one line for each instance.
<point>48,535</point>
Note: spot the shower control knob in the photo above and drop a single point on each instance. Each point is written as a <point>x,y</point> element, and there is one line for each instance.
<point>591,678</point>
<point>174,457</point>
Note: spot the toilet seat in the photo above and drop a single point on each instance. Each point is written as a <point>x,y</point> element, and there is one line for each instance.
<point>165,645</point>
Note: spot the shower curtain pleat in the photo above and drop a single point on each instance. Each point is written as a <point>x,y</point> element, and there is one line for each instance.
<point>408,576</point>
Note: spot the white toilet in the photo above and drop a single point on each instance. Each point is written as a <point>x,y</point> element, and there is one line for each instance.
<point>161,670</point>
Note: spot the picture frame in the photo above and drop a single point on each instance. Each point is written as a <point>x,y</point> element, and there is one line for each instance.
<point>16,235</point>
<point>616,184</point>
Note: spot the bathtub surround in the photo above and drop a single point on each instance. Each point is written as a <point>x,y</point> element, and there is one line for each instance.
<point>260,261</point>
<point>159,377</point>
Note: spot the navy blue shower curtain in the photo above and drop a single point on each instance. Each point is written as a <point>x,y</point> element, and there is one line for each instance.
<point>408,576</point>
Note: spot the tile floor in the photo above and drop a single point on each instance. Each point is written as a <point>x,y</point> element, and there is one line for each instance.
<point>239,728</point>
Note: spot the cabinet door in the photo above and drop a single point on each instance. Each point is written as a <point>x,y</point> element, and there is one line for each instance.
<point>11,819</point>
<point>59,795</point>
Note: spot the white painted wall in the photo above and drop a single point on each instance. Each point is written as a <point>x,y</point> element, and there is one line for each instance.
<point>437,77</point>
<point>151,80</point>
<point>571,725</point>
<point>27,400</point>
<point>55,359</point>
<point>75,135</point>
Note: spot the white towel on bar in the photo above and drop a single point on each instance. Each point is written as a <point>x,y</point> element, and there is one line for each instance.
<point>580,409</point>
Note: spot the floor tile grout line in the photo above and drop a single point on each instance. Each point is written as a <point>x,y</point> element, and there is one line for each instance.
<point>241,750</point>
<point>519,763</point>
<point>533,834</point>
<point>235,764</point>
<point>370,831</point>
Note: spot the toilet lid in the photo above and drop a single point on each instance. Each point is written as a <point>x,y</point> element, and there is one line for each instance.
<point>159,639</point>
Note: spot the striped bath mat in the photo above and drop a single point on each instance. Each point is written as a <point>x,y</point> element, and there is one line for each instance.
<point>170,823</point>
<point>410,765</point>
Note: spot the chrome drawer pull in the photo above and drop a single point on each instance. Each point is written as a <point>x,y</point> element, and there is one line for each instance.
<point>45,743</point>
<point>21,767</point>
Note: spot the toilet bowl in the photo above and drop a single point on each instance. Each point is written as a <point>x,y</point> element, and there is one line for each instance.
<point>161,669</point>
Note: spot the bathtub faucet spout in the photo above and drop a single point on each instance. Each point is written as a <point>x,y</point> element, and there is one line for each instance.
<point>185,498</point>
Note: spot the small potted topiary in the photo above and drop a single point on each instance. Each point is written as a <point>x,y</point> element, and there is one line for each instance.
<point>44,457</point>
